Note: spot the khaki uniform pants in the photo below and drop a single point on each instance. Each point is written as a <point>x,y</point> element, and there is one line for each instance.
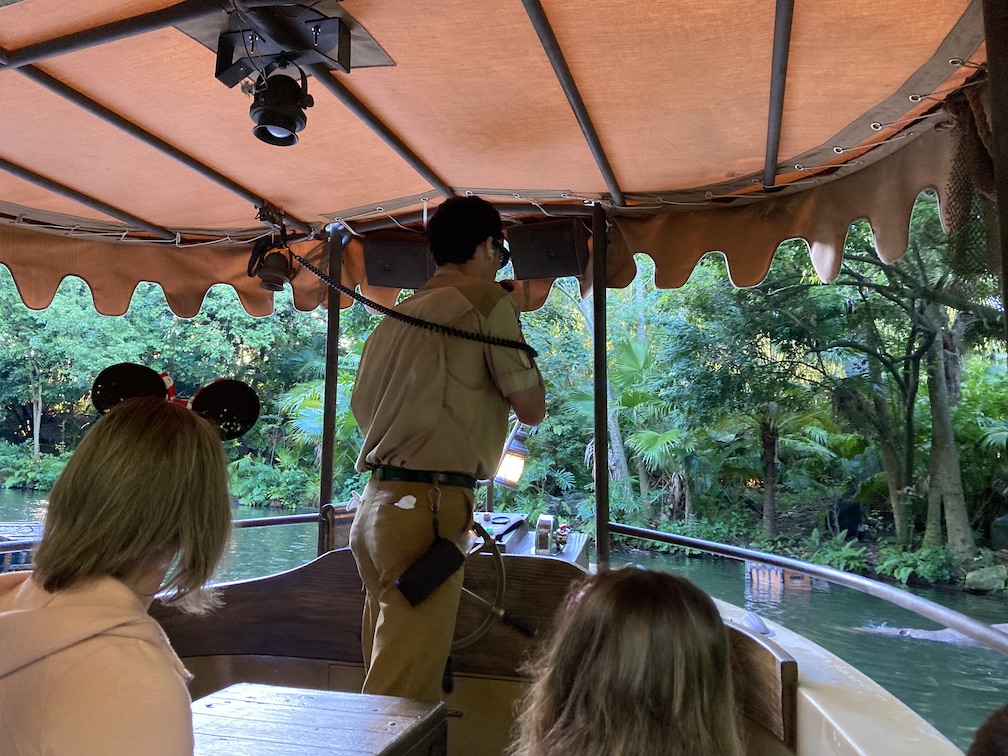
<point>406,647</point>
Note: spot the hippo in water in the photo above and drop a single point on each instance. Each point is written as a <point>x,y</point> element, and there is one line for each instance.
<point>944,636</point>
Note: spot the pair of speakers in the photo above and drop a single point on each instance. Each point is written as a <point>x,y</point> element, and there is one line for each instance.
<point>547,249</point>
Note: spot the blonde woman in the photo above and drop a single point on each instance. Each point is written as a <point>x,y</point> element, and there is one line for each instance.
<point>638,664</point>
<point>142,506</point>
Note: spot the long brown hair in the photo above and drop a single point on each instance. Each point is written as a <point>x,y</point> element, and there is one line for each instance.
<point>639,664</point>
<point>992,737</point>
<point>149,476</point>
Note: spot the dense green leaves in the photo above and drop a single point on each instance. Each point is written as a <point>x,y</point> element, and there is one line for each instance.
<point>726,404</point>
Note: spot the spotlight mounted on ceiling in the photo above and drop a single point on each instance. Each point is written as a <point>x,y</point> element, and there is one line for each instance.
<point>266,33</point>
<point>265,37</point>
<point>279,104</point>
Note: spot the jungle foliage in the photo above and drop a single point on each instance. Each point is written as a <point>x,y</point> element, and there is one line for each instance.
<point>740,415</point>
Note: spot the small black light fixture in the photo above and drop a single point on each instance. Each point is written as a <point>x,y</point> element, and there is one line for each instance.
<point>279,104</point>
<point>272,263</point>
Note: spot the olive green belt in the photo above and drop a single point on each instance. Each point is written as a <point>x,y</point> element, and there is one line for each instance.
<point>424,476</point>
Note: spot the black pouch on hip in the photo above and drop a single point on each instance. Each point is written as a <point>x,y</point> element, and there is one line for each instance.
<point>442,560</point>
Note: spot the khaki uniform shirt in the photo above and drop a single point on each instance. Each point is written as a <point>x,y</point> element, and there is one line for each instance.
<point>428,401</point>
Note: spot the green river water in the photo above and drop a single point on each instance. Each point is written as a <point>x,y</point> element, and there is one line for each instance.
<point>953,687</point>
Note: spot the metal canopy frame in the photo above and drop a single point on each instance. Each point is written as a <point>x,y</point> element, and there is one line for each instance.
<point>188,10</point>
<point>563,73</point>
<point>98,110</point>
<point>85,199</point>
<point>778,78</point>
<point>278,27</point>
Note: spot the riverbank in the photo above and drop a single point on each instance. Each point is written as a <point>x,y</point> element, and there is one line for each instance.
<point>870,550</point>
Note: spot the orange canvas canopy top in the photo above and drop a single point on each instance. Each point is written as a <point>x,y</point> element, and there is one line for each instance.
<point>127,152</point>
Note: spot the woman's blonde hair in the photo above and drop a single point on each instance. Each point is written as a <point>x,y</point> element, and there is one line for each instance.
<point>149,476</point>
<point>638,664</point>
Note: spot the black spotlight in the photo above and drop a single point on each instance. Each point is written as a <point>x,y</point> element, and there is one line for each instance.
<point>276,271</point>
<point>272,263</point>
<point>278,107</point>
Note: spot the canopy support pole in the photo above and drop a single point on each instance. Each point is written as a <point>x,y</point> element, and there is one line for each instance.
<point>331,385</point>
<point>85,199</point>
<point>112,118</point>
<point>563,73</point>
<point>778,78</point>
<point>601,376</point>
<point>284,32</point>
<point>995,13</point>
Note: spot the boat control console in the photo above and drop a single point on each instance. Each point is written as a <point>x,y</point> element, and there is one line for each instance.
<point>513,535</point>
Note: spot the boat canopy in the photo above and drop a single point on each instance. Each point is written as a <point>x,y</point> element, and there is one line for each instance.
<point>127,148</point>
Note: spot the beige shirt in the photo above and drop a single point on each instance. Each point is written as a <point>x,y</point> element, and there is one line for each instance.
<point>428,401</point>
<point>86,671</point>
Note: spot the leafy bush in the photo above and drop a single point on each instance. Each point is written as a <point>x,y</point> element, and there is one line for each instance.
<point>19,470</point>
<point>784,544</point>
<point>257,484</point>
<point>11,457</point>
<point>729,530</point>
<point>836,551</point>
<point>933,565</point>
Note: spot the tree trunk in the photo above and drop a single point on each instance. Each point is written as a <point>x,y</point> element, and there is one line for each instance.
<point>687,498</point>
<point>896,483</point>
<point>617,462</point>
<point>642,480</point>
<point>946,489</point>
<point>933,536</point>
<point>911,379</point>
<point>36,412</point>
<point>768,444</point>
<point>892,463</point>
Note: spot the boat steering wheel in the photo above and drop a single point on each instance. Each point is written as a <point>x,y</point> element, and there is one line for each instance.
<point>484,544</point>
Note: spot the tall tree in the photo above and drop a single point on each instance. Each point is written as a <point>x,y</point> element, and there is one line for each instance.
<point>894,315</point>
<point>619,469</point>
<point>945,490</point>
<point>51,357</point>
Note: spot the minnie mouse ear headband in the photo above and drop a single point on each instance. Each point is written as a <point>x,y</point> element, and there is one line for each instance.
<point>231,405</point>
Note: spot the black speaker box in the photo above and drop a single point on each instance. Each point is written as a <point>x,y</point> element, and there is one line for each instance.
<point>549,249</point>
<point>397,259</point>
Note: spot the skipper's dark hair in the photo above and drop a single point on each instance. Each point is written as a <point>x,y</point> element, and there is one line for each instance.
<point>459,226</point>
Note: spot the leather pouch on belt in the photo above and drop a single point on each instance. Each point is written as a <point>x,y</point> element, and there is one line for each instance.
<point>442,560</point>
